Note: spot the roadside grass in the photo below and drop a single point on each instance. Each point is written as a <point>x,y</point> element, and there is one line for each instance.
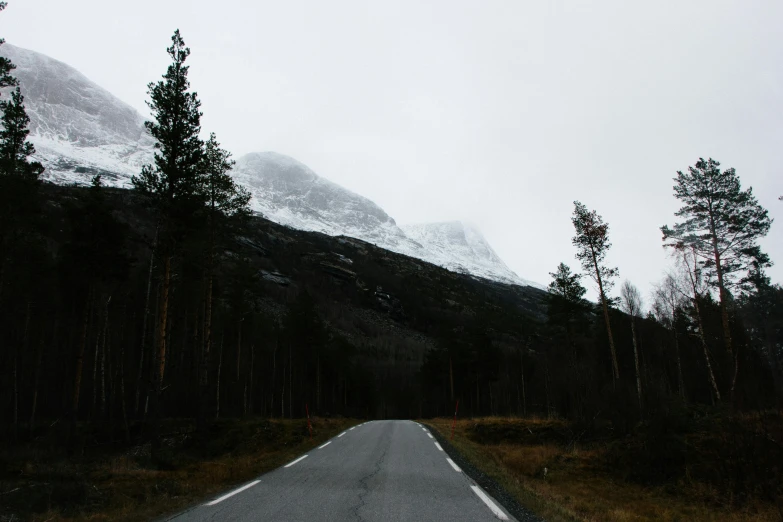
<point>121,483</point>
<point>537,462</point>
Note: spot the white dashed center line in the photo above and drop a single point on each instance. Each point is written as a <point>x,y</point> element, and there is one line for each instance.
<point>294,462</point>
<point>491,505</point>
<point>438,446</point>
<point>322,447</point>
<point>456,468</point>
<point>238,490</point>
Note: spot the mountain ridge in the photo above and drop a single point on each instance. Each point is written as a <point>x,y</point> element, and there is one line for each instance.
<point>80,129</point>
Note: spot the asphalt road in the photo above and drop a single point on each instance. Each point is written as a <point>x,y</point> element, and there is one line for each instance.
<point>377,471</point>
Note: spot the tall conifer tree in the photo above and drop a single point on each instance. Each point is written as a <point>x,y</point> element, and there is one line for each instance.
<point>721,225</point>
<point>6,66</point>
<point>226,203</point>
<point>592,243</point>
<point>174,183</point>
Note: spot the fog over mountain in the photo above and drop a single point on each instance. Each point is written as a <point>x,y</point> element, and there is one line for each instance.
<point>79,129</point>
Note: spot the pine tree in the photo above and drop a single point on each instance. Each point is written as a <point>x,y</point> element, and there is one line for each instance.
<point>19,178</point>
<point>721,224</point>
<point>226,204</point>
<point>565,296</point>
<point>174,184</point>
<point>6,66</point>
<point>15,150</point>
<point>566,284</point>
<point>592,243</point>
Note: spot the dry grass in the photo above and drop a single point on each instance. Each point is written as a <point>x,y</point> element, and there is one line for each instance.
<point>578,484</point>
<point>37,485</point>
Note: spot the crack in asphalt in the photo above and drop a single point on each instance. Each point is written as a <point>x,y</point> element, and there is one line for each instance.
<point>364,481</point>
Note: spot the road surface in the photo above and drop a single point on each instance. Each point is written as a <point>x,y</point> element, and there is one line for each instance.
<point>377,471</point>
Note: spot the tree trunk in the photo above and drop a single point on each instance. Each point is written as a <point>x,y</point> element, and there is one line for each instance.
<point>239,346</point>
<point>160,359</point>
<point>636,364</point>
<point>77,380</point>
<point>144,326</point>
<point>605,306</point>
<point>724,307</point>
<point>522,379</point>
<point>290,386</point>
<point>123,407</point>
<point>282,392</point>
<point>217,379</point>
<point>203,374</point>
<point>736,373</point>
<point>103,356</point>
<point>451,380</point>
<point>318,383</point>
<point>37,376</point>
<point>680,380</point>
<point>710,373</point>
<point>252,377</point>
<point>272,385</point>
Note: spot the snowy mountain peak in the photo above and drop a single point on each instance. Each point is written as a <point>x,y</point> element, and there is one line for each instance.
<point>79,129</point>
<point>461,247</point>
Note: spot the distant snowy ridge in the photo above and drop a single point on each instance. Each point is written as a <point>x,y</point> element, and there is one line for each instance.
<point>79,129</point>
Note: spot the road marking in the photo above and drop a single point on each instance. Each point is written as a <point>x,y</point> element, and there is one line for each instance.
<point>456,468</point>
<point>294,462</point>
<point>430,435</point>
<point>238,490</point>
<point>322,447</point>
<point>488,501</point>
<point>424,430</point>
<point>438,446</point>
<point>352,428</point>
<point>340,435</point>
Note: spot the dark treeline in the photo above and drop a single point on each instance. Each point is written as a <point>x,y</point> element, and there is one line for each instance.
<point>121,308</point>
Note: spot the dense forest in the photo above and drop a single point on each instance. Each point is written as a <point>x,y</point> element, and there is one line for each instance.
<point>123,307</point>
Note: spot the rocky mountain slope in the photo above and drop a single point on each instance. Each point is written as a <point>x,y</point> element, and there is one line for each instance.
<point>79,129</point>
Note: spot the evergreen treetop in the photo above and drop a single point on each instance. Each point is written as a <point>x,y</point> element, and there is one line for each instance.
<point>721,223</point>
<point>176,178</point>
<point>6,66</point>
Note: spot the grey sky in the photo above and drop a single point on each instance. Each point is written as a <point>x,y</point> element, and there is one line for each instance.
<point>497,113</point>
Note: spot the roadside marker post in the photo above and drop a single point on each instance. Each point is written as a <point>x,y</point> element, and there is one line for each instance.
<point>454,422</point>
<point>309,426</point>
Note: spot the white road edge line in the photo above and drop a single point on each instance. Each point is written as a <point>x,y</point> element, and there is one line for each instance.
<point>238,490</point>
<point>438,446</point>
<point>352,428</point>
<point>294,462</point>
<point>322,447</point>
<point>340,435</point>
<point>430,435</point>
<point>488,501</point>
<point>456,468</point>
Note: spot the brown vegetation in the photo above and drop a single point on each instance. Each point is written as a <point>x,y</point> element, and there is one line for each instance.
<point>38,481</point>
<point>680,468</point>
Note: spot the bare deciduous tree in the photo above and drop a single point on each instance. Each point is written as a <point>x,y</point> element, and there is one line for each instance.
<point>667,302</point>
<point>631,302</point>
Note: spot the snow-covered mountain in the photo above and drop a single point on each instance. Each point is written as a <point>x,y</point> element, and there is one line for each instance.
<point>79,129</point>
<point>288,192</point>
<point>460,247</point>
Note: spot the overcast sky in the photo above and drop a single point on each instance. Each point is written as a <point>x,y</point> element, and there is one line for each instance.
<point>496,113</point>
